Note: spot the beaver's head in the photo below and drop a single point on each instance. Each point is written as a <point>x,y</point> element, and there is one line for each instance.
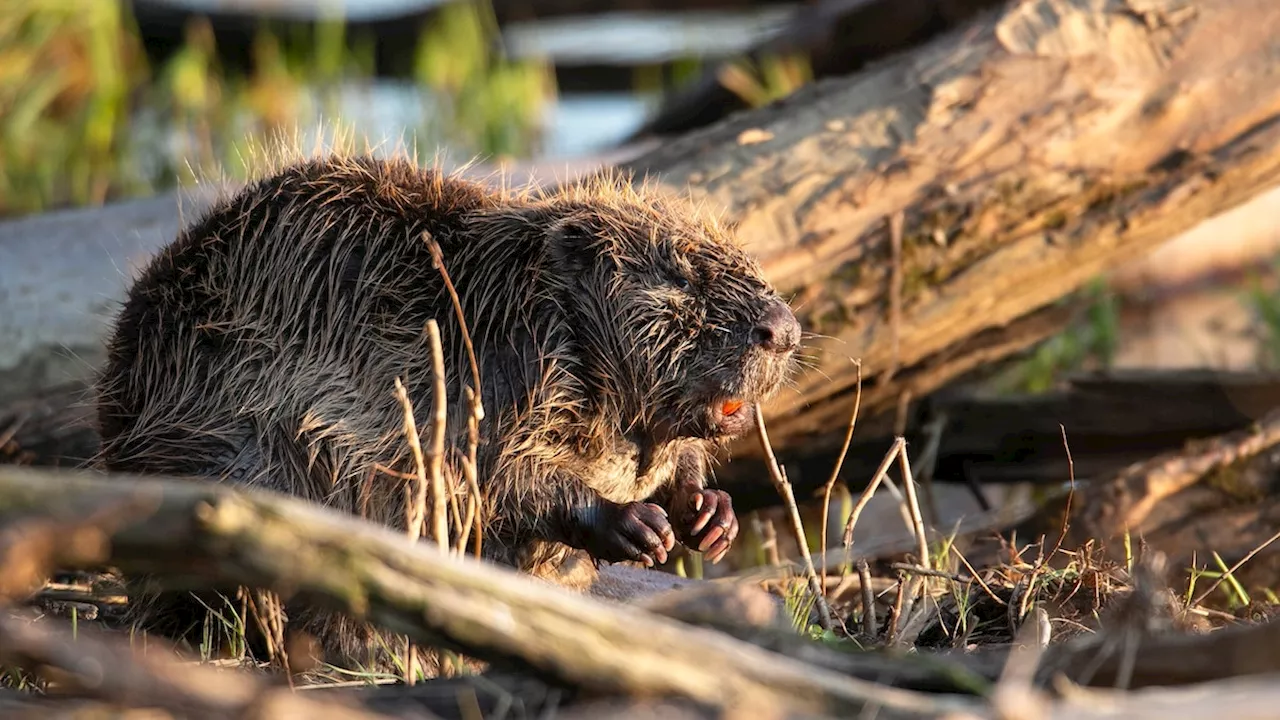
<point>678,327</point>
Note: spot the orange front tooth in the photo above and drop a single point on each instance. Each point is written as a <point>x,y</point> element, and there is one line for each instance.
<point>731,406</point>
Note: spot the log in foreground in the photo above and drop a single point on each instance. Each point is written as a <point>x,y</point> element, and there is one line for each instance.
<point>97,665</point>
<point>1025,152</point>
<point>205,534</point>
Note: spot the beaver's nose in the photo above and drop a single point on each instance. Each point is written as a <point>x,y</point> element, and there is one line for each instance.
<point>778,330</point>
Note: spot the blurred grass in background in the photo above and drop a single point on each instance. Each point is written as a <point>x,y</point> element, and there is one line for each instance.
<point>84,119</point>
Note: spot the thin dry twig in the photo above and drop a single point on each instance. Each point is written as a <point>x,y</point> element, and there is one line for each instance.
<point>437,258</point>
<point>1232,571</point>
<point>797,525</point>
<point>898,445</point>
<point>1071,477</point>
<point>899,601</point>
<point>475,502</point>
<point>976,577</point>
<point>913,505</point>
<point>868,600</point>
<point>835,471</point>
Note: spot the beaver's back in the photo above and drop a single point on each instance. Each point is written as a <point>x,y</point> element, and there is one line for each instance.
<point>280,311</point>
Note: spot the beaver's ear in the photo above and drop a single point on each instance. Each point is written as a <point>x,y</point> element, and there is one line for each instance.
<point>572,244</point>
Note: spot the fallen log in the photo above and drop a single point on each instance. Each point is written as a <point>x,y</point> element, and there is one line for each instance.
<point>99,666</point>
<point>1025,152</point>
<point>205,535</point>
<point>832,37</point>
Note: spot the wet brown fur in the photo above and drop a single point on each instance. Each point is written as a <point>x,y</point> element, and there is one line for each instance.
<point>261,348</point>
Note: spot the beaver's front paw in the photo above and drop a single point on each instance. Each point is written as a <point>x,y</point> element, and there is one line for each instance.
<point>636,531</point>
<point>704,521</point>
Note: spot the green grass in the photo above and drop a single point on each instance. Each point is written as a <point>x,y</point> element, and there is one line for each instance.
<point>1262,298</point>
<point>84,119</point>
<point>1088,343</point>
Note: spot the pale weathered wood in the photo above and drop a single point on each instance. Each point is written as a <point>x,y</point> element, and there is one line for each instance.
<point>1028,151</point>
<point>208,535</point>
<point>96,665</point>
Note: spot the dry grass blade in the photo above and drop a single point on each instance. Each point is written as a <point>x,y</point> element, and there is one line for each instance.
<point>475,501</point>
<point>835,470</point>
<point>797,525</point>
<point>415,494</point>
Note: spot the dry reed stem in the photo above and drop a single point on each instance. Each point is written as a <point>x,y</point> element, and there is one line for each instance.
<point>797,525</point>
<point>835,470</point>
<point>913,505</point>
<point>868,600</point>
<point>415,494</point>
<point>898,446</point>
<point>416,509</point>
<point>439,516</point>
<point>437,257</point>
<point>474,500</point>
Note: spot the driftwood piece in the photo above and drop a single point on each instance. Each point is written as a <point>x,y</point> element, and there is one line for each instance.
<point>207,535</point>
<point>1124,503</point>
<point>1217,494</point>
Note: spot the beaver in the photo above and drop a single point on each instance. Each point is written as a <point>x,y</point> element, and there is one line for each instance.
<point>620,334</point>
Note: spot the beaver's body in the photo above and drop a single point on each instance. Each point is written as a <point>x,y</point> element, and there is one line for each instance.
<point>618,337</point>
